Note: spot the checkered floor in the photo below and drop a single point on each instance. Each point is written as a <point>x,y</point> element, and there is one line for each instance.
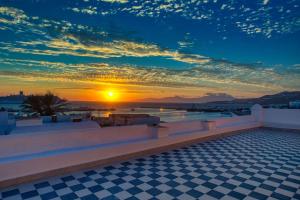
<point>257,164</point>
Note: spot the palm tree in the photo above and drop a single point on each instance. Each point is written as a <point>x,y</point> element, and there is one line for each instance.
<point>44,105</point>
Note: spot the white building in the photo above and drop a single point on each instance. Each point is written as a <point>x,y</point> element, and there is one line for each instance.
<point>294,104</point>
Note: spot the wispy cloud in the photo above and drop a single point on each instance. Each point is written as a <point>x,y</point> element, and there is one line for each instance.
<point>265,2</point>
<point>115,1</point>
<point>216,74</point>
<point>70,45</point>
<point>94,52</point>
<point>258,19</point>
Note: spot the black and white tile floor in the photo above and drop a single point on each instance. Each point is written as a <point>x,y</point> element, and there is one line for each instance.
<point>256,164</point>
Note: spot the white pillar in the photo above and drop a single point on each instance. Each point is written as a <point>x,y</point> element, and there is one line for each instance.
<point>258,112</point>
<point>209,125</point>
<point>3,122</point>
<point>158,131</point>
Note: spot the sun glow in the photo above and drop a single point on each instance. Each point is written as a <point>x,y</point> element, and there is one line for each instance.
<point>111,95</point>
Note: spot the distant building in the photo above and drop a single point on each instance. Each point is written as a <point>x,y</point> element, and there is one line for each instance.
<point>13,99</point>
<point>294,104</point>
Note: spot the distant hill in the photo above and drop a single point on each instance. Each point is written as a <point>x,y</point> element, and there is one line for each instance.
<point>279,98</point>
<point>209,97</point>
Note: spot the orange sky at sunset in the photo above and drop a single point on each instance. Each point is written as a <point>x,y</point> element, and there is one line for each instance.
<point>82,91</point>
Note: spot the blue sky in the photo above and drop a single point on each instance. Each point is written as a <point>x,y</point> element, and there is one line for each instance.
<point>177,47</point>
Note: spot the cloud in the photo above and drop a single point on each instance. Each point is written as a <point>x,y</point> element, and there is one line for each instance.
<point>115,1</point>
<point>64,38</point>
<point>9,15</point>
<point>265,2</point>
<point>258,19</point>
<point>216,74</point>
<point>71,45</point>
<point>89,10</point>
<point>51,40</point>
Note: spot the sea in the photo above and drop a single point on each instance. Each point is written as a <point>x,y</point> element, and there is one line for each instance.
<point>166,111</point>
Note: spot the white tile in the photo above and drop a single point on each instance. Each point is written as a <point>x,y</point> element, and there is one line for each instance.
<point>63,191</point>
<point>143,195</point>
<point>164,196</point>
<point>82,193</point>
<point>242,190</point>
<point>163,187</point>
<point>45,190</point>
<point>107,185</point>
<point>263,191</point>
<point>102,194</point>
<point>223,190</point>
<point>185,197</point>
<point>207,197</point>
<point>182,188</point>
<point>284,192</point>
<point>15,197</point>
<point>126,185</point>
<point>202,189</point>
<point>144,186</point>
<point>123,195</point>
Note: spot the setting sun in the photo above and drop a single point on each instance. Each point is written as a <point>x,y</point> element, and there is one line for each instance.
<point>110,95</point>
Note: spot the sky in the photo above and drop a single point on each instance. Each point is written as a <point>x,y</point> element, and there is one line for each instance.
<point>130,50</point>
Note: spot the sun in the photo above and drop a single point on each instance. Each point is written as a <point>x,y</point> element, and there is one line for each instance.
<point>110,95</point>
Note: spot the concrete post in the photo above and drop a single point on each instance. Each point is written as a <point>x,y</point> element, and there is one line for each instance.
<point>209,125</point>
<point>158,131</point>
<point>257,112</point>
<point>3,122</point>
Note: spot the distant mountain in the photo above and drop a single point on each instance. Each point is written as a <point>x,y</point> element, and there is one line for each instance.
<point>279,98</point>
<point>209,97</point>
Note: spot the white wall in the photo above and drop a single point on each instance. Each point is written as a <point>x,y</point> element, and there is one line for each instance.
<point>233,121</point>
<point>277,118</point>
<point>183,127</point>
<point>16,151</point>
<point>282,118</point>
<point>21,144</point>
<point>64,138</point>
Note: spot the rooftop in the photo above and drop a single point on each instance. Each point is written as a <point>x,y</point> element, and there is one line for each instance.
<point>257,164</point>
<point>243,157</point>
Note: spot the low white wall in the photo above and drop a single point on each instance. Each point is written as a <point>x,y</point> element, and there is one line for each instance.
<point>167,134</point>
<point>64,138</point>
<point>277,118</point>
<point>281,118</point>
<point>20,144</point>
<point>183,127</point>
<point>232,121</point>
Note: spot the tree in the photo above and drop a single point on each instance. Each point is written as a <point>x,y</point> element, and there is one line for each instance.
<point>44,105</point>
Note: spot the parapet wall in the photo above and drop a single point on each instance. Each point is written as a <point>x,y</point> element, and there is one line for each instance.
<point>282,118</point>
<point>33,156</point>
<point>277,118</point>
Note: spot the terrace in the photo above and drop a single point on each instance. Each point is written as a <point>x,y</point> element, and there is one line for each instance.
<point>252,157</point>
